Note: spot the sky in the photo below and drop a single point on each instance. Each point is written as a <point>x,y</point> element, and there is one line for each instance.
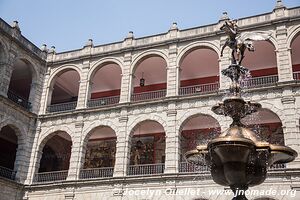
<point>68,24</point>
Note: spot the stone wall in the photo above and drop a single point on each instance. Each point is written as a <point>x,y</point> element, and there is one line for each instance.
<point>11,190</point>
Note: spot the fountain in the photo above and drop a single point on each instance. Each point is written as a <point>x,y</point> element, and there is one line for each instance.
<point>238,158</point>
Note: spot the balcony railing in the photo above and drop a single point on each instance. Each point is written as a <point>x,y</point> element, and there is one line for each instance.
<point>202,89</point>
<point>260,81</point>
<point>296,75</point>
<point>62,107</point>
<point>96,173</point>
<point>19,100</point>
<point>7,173</point>
<point>51,176</point>
<point>148,95</point>
<point>146,169</point>
<point>188,167</point>
<point>103,101</point>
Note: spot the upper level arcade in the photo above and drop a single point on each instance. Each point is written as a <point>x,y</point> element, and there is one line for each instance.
<point>179,63</point>
<point>22,67</point>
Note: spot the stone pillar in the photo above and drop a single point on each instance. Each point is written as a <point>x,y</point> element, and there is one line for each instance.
<point>5,73</point>
<point>126,79</point>
<point>283,55</point>
<point>76,152</point>
<point>23,152</point>
<point>172,141</point>
<point>35,155</point>
<point>83,86</point>
<point>32,95</point>
<point>173,81</point>
<point>6,69</point>
<point>290,124</point>
<point>122,157</point>
<point>46,93</point>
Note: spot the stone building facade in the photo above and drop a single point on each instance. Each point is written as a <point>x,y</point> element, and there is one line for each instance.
<point>62,113</point>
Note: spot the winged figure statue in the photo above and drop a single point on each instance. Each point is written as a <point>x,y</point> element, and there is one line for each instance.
<point>239,42</point>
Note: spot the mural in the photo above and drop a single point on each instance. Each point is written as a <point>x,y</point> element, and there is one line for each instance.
<point>100,153</point>
<point>148,149</point>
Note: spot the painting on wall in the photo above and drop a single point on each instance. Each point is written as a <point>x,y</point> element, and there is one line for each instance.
<point>100,153</point>
<point>147,149</point>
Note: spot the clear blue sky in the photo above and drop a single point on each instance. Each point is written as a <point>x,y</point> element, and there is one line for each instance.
<point>67,24</point>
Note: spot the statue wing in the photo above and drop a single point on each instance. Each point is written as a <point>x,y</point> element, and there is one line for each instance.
<point>255,35</point>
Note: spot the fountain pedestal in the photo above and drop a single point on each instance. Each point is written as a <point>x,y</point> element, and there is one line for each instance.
<point>237,157</point>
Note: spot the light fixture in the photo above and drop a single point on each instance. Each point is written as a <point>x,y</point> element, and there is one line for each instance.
<point>142,80</point>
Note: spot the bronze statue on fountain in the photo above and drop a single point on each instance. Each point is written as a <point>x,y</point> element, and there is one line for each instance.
<point>238,158</point>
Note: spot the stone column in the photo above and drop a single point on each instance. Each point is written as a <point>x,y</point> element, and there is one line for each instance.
<point>32,95</point>
<point>83,85</point>
<point>23,152</point>
<point>126,79</point>
<point>283,55</point>
<point>6,69</point>
<point>122,147</point>
<point>173,81</point>
<point>76,152</point>
<point>290,124</point>
<point>172,141</point>
<point>35,155</point>
<point>46,93</point>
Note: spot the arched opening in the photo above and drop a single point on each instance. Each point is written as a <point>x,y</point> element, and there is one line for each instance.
<point>55,159</point>
<point>63,91</point>
<point>296,57</point>
<point>147,153</point>
<point>8,151</point>
<point>199,71</point>
<point>100,153</point>
<point>149,79</point>
<point>196,130</point>
<point>20,83</point>
<point>262,64</point>
<point>267,126</point>
<point>105,85</point>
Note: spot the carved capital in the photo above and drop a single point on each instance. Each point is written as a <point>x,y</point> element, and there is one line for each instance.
<point>288,100</point>
<point>123,119</point>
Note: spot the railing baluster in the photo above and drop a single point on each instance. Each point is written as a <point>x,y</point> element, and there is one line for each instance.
<point>96,172</point>
<point>51,176</point>
<point>146,169</point>
<point>7,173</point>
<point>148,95</point>
<point>260,81</point>
<point>62,107</point>
<point>103,101</point>
<point>19,100</point>
<point>296,75</point>
<point>203,88</point>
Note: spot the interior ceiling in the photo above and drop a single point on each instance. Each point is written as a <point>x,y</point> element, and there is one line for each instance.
<point>263,116</point>
<point>296,50</point>
<point>199,63</point>
<point>67,82</point>
<point>7,133</point>
<point>148,127</point>
<point>154,69</point>
<point>108,77</point>
<point>102,132</point>
<point>201,122</point>
<point>21,71</point>
<point>263,57</point>
<point>63,135</point>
